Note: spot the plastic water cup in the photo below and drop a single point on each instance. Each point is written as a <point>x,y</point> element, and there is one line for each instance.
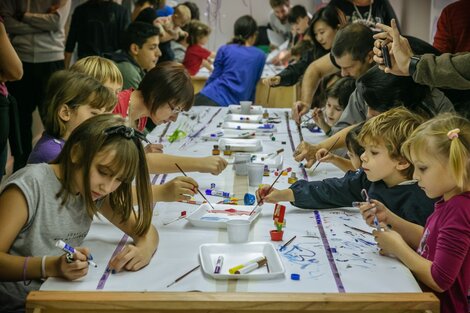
<point>255,174</point>
<point>245,107</point>
<point>241,163</point>
<point>238,231</point>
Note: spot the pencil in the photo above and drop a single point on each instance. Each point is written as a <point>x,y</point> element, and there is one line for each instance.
<point>199,191</point>
<point>287,243</point>
<point>183,276</point>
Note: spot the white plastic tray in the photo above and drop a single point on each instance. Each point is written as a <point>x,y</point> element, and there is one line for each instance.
<point>204,216</point>
<point>246,145</point>
<point>235,108</point>
<point>268,128</point>
<point>236,254</point>
<point>228,133</point>
<point>243,118</point>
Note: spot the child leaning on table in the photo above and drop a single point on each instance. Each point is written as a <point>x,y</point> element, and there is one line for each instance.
<point>355,150</point>
<point>385,174</point>
<point>438,254</point>
<point>93,173</point>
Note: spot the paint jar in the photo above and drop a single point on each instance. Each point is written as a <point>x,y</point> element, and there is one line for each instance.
<point>276,235</point>
<point>241,162</point>
<point>215,150</point>
<point>255,174</point>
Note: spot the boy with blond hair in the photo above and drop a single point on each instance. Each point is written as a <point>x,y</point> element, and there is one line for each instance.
<point>385,174</point>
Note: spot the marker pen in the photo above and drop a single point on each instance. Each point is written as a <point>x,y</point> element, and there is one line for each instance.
<point>236,268</point>
<point>218,193</point>
<point>249,268</point>
<point>218,264</point>
<point>65,247</point>
<point>218,134</point>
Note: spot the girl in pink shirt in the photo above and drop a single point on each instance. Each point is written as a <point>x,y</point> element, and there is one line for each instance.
<point>438,254</point>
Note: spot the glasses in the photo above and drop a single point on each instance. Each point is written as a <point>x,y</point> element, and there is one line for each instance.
<point>174,109</point>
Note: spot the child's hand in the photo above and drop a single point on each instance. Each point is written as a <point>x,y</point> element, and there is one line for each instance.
<point>153,148</point>
<point>75,265</point>
<point>274,195</point>
<point>389,241</point>
<point>374,209</point>
<point>319,118</point>
<point>323,155</point>
<point>130,258</point>
<point>179,188</point>
<point>212,164</point>
<point>271,81</point>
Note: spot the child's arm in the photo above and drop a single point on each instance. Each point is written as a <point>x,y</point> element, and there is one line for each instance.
<point>207,64</point>
<point>165,163</point>
<point>343,164</point>
<point>319,119</point>
<point>12,266</point>
<point>274,195</point>
<point>390,242</point>
<point>133,256</point>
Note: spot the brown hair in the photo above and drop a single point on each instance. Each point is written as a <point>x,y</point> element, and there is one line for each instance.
<point>167,82</point>
<point>196,31</point>
<point>73,89</point>
<point>90,139</point>
<point>278,3</point>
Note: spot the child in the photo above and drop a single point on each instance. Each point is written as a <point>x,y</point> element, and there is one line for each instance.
<point>385,174</point>
<point>299,20</point>
<point>93,173</point>
<point>196,55</point>
<point>438,254</point>
<point>71,98</point>
<point>355,150</point>
<point>101,69</point>
<point>337,97</point>
<point>170,26</point>
<point>237,68</point>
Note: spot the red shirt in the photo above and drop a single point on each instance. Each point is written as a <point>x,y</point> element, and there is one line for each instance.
<point>122,107</point>
<point>453,28</point>
<point>195,54</point>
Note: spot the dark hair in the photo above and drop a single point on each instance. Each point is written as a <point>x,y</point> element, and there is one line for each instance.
<point>276,3</point>
<point>147,15</point>
<point>296,12</point>
<point>351,140</point>
<point>85,142</point>
<point>197,30</point>
<point>355,39</point>
<point>138,33</point>
<point>167,82</point>
<point>329,15</point>
<point>342,90</point>
<point>153,3</point>
<point>301,47</point>
<point>382,92</point>
<point>244,27</point>
<point>193,8</point>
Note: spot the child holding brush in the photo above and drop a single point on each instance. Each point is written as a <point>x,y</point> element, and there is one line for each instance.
<point>385,174</point>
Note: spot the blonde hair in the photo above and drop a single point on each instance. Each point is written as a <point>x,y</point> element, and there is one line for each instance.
<point>73,89</point>
<point>183,12</point>
<point>102,69</point>
<point>433,138</point>
<point>391,129</point>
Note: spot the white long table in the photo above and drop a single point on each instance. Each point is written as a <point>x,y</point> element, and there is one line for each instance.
<point>332,259</point>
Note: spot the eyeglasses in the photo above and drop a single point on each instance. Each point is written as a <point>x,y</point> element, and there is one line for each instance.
<point>174,109</point>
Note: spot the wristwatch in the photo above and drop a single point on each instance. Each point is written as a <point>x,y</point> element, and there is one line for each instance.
<point>413,64</point>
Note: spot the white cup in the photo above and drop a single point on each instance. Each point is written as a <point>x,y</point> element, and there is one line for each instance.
<point>255,174</point>
<point>245,107</point>
<point>241,162</point>
<point>238,231</point>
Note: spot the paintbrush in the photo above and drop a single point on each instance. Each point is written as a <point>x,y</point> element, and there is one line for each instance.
<point>269,189</point>
<point>287,243</point>
<point>318,163</point>
<point>183,276</point>
<point>358,229</point>
<point>197,189</point>
<point>269,92</point>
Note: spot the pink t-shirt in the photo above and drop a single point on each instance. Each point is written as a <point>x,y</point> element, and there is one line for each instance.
<point>122,107</point>
<point>446,242</point>
<point>193,58</point>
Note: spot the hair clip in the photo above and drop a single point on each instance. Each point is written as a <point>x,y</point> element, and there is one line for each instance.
<point>127,132</point>
<point>454,133</point>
